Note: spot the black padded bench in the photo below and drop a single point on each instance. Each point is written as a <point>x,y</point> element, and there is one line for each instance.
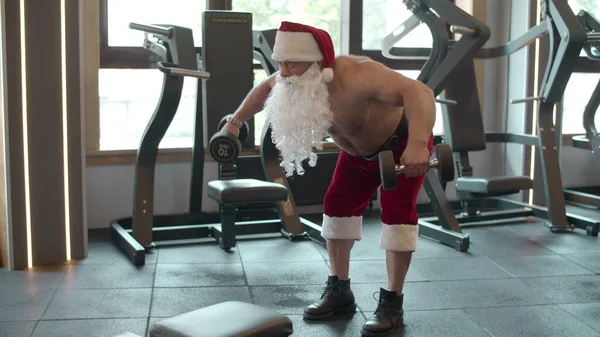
<point>492,186</point>
<point>230,193</point>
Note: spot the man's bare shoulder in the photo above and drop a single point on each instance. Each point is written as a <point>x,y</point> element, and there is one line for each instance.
<point>356,73</point>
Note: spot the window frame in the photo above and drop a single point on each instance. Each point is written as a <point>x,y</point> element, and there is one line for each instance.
<point>119,57</point>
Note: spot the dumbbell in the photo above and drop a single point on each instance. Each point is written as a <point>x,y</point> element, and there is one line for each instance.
<point>388,169</point>
<point>224,146</point>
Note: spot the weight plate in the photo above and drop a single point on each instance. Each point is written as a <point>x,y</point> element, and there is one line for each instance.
<point>445,168</point>
<point>387,170</point>
<point>224,147</point>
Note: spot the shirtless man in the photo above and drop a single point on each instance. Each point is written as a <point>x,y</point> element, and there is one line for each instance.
<point>360,104</point>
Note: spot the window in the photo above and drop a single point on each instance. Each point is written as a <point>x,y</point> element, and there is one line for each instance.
<point>128,98</point>
<point>128,95</point>
<point>130,87</point>
<point>590,6</point>
<point>577,95</point>
<point>187,13</point>
<point>268,14</point>
<point>381,17</point>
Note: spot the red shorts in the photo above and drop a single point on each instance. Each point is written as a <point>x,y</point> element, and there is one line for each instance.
<point>354,182</point>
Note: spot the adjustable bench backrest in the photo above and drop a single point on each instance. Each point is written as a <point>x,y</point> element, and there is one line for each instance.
<point>463,123</point>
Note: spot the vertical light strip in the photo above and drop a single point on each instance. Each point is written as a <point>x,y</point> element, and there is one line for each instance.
<point>63,61</point>
<point>536,76</point>
<point>25,134</point>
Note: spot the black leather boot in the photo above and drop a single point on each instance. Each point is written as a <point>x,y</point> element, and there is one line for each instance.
<point>337,298</point>
<point>388,316</point>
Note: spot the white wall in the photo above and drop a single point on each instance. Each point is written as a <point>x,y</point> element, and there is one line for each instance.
<point>110,191</point>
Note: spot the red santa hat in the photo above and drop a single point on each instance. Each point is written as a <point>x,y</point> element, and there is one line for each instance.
<point>302,43</point>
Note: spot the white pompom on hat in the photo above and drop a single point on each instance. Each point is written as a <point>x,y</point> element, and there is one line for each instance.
<point>302,43</point>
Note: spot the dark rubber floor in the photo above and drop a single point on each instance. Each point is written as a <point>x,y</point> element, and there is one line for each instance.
<point>516,280</point>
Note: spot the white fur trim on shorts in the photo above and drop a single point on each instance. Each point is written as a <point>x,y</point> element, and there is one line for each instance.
<point>399,238</point>
<point>342,228</point>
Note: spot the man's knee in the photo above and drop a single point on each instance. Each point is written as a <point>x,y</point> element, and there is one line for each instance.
<point>399,237</point>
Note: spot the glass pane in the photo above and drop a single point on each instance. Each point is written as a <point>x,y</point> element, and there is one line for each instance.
<point>381,17</point>
<point>268,14</point>
<point>590,6</point>
<point>577,95</point>
<point>128,98</point>
<point>185,13</point>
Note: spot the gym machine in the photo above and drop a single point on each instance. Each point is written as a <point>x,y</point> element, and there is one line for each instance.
<point>133,235</point>
<point>463,126</point>
<point>588,195</point>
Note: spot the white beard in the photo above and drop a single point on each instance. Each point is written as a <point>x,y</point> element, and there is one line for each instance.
<point>299,112</point>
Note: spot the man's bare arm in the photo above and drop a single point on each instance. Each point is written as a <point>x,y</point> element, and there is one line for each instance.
<point>255,100</point>
<point>396,89</point>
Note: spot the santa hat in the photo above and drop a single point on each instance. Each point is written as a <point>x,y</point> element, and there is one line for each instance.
<point>302,43</point>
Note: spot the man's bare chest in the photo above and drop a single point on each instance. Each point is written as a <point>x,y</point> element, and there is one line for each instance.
<point>349,116</point>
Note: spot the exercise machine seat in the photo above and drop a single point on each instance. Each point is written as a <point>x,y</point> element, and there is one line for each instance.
<point>238,191</point>
<point>226,319</point>
<point>493,185</point>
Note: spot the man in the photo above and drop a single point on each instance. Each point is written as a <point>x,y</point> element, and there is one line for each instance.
<point>361,105</point>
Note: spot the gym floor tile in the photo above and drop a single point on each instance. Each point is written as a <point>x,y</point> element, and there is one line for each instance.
<point>202,253</point>
<point>34,278</point>
<point>431,249</point>
<point>95,276</point>
<point>571,243</point>
<point>168,302</point>
<point>418,296</point>
<point>90,327</point>
<point>438,323</point>
<point>538,266</point>
<point>288,300</point>
<point>343,326</point>
<point>374,271</point>
<point>514,246</point>
<point>21,304</point>
<point>491,293</point>
<point>17,329</point>
<point>588,261</point>
<point>107,252</point>
<point>278,251</point>
<point>568,289</point>
<point>477,268</point>
<point>199,275</point>
<point>547,321</point>
<point>532,228</point>
<point>588,313</point>
<point>284,273</point>
<point>498,232</point>
<point>99,303</point>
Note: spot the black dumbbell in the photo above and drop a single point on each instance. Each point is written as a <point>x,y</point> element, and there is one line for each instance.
<point>225,147</point>
<point>388,169</point>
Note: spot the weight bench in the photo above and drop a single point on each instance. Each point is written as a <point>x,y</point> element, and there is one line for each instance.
<point>481,187</point>
<point>226,319</point>
<point>232,192</point>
